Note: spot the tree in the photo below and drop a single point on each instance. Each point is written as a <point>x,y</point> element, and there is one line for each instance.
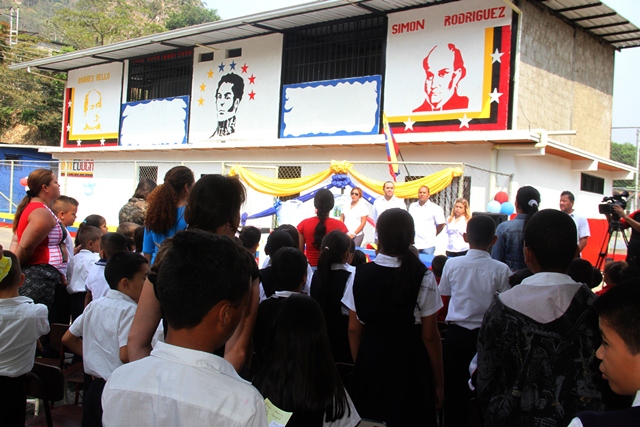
<point>190,14</point>
<point>624,153</point>
<point>98,22</point>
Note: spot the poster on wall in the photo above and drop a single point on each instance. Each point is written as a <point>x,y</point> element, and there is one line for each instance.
<point>155,122</point>
<point>448,67</point>
<point>93,98</point>
<point>236,90</point>
<point>310,109</point>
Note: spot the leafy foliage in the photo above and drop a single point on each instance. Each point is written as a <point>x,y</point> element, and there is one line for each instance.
<point>624,153</point>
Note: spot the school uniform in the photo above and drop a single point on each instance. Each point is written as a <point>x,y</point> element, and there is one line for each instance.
<point>104,326</point>
<point>96,283</point>
<point>176,386</point>
<point>471,281</point>
<point>21,324</point>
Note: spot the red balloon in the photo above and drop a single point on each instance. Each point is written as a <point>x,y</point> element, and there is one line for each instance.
<point>501,197</point>
<point>23,181</point>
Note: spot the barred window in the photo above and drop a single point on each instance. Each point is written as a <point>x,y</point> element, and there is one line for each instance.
<point>342,49</point>
<point>160,76</point>
<point>592,184</point>
<point>446,198</point>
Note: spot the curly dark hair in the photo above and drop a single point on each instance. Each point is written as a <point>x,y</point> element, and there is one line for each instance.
<point>163,201</point>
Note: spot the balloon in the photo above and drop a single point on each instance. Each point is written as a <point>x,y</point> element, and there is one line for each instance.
<point>501,197</point>
<point>507,208</point>
<point>23,181</point>
<point>493,206</point>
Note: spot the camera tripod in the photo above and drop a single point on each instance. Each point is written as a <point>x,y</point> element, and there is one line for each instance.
<point>614,229</point>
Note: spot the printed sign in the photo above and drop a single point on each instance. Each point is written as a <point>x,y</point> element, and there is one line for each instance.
<point>448,67</point>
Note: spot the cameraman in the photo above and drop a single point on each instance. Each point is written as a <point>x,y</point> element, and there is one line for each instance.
<point>630,220</point>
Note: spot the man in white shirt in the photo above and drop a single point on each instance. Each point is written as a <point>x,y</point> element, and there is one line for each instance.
<point>567,199</point>
<point>429,221</point>
<point>203,292</point>
<point>387,201</point>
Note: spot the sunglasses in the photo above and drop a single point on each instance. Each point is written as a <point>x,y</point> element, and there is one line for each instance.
<point>355,194</point>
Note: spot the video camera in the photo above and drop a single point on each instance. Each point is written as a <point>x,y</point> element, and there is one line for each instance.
<point>617,199</point>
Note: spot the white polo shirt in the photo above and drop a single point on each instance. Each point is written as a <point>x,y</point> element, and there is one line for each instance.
<point>472,281</point>
<point>104,327</point>
<point>177,386</point>
<point>381,204</point>
<point>78,270</point>
<point>96,283</point>
<point>426,218</point>
<point>21,324</point>
<point>582,225</point>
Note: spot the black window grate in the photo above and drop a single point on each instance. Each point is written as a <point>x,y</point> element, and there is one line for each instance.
<point>160,76</point>
<point>343,49</point>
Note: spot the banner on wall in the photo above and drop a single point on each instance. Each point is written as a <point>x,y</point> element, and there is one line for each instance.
<point>155,122</point>
<point>93,98</point>
<point>448,67</point>
<point>332,107</point>
<point>236,90</point>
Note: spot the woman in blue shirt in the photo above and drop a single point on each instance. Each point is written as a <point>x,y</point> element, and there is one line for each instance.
<point>165,212</point>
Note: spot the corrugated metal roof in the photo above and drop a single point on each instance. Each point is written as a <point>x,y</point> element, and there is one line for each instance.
<point>598,19</point>
<point>278,20</point>
<point>593,16</point>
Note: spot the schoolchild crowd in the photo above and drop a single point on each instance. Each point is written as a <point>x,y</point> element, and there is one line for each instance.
<point>176,324</point>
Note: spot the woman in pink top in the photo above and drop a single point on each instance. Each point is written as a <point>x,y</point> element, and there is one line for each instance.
<point>37,235</point>
<point>312,230</point>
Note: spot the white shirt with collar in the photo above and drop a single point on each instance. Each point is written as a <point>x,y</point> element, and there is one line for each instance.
<point>577,423</point>
<point>96,283</point>
<point>582,225</point>
<point>544,297</point>
<point>381,204</point>
<point>349,285</point>
<point>104,327</point>
<point>426,218</point>
<point>21,324</point>
<point>305,287</point>
<point>177,386</point>
<point>429,299</point>
<point>472,281</point>
<point>78,270</point>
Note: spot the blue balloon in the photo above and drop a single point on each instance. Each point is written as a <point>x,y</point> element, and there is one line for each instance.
<point>507,208</point>
<point>493,206</point>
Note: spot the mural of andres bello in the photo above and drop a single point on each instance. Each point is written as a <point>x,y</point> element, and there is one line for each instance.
<point>444,68</point>
<point>228,97</point>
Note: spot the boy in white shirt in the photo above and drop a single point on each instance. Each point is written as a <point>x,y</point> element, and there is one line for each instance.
<point>79,266</point>
<point>472,281</point>
<point>21,324</point>
<point>96,283</point>
<point>65,209</point>
<point>203,288</point>
<point>100,334</point>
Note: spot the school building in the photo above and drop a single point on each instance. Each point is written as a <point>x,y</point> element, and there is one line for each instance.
<point>511,92</point>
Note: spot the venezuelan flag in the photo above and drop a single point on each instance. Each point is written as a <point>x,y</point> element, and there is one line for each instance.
<point>392,148</point>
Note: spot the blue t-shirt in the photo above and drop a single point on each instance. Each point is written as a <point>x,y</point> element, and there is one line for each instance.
<point>153,240</point>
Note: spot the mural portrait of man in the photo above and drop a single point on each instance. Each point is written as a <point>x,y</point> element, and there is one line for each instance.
<point>444,68</point>
<point>92,109</point>
<point>228,97</point>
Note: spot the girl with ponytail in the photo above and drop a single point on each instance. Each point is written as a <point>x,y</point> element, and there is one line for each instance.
<point>165,211</point>
<point>312,230</point>
<point>327,287</point>
<point>509,246</point>
<point>393,331</point>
